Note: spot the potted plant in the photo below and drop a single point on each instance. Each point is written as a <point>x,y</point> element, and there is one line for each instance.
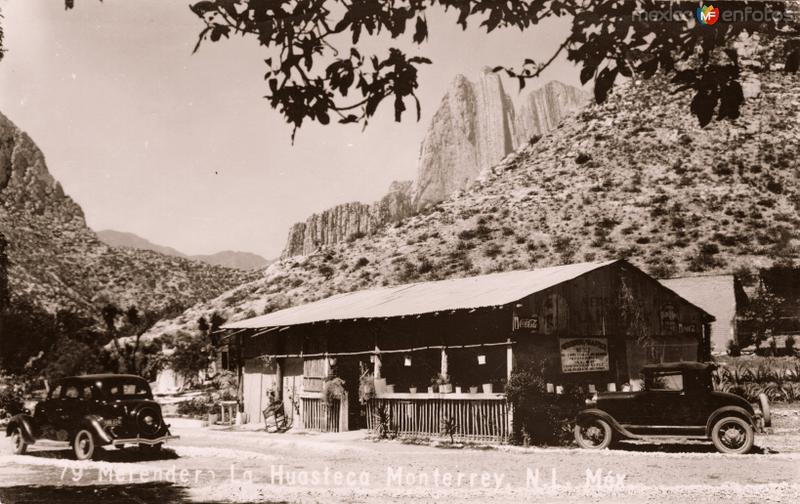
<point>487,388</point>
<point>332,389</point>
<point>412,390</point>
<point>473,390</point>
<point>366,388</point>
<point>443,381</point>
<point>458,389</point>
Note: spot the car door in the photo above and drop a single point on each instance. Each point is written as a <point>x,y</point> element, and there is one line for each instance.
<point>664,400</point>
<point>67,411</point>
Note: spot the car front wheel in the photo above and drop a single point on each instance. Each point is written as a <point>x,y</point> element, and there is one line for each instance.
<point>84,445</point>
<point>733,435</point>
<point>18,442</point>
<point>593,433</point>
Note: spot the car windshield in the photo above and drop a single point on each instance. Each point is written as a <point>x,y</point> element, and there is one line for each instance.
<point>127,389</point>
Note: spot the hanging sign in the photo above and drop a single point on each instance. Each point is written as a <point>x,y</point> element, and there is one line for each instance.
<point>581,355</point>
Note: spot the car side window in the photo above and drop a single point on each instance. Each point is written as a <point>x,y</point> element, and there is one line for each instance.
<point>71,392</point>
<point>666,381</point>
<point>87,392</point>
<point>55,393</point>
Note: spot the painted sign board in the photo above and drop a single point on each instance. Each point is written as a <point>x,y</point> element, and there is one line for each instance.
<point>583,355</point>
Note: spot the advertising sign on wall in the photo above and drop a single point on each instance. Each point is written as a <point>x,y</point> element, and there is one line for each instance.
<point>581,355</point>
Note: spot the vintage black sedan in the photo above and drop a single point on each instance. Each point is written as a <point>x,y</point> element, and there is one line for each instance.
<point>91,411</point>
<point>678,401</point>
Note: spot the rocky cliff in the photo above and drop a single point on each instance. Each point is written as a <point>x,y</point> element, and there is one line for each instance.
<point>56,262</point>
<point>349,221</point>
<point>476,125</point>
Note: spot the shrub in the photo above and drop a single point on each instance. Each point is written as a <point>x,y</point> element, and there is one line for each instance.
<point>540,417</point>
<point>199,407</point>
<point>356,236</point>
<point>492,250</point>
<point>10,402</point>
<point>733,349</point>
<point>325,270</point>
<point>360,263</point>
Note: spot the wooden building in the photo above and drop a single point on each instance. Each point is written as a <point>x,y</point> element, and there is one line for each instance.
<point>597,323</point>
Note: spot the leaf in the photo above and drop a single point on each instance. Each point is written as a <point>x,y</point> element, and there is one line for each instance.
<point>703,105</point>
<point>200,8</point>
<point>420,31</point>
<point>603,84</point>
<point>587,73</point>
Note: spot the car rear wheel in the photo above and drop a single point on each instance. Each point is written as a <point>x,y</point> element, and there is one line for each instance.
<point>83,445</point>
<point>593,433</point>
<point>18,442</point>
<point>733,435</point>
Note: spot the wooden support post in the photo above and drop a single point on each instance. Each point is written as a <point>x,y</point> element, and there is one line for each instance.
<point>376,365</point>
<point>279,379</point>
<point>443,369</point>
<point>326,366</point>
<point>509,359</point>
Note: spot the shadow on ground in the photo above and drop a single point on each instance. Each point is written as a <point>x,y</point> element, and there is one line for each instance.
<point>680,448</point>
<point>161,493</point>
<point>111,455</point>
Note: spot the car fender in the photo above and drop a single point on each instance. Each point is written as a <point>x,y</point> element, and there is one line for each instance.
<point>729,411</point>
<point>92,423</point>
<point>594,412</point>
<point>25,425</point>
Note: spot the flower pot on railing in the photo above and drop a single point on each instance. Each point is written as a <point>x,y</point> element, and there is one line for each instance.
<point>380,385</point>
<point>458,390</point>
<point>390,389</point>
<point>487,388</point>
<point>431,389</point>
<point>412,390</point>
<point>473,390</point>
<point>446,388</point>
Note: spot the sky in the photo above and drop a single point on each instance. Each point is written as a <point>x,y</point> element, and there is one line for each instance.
<point>182,149</point>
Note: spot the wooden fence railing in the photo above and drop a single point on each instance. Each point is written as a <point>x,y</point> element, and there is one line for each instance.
<point>478,417</point>
<point>318,416</point>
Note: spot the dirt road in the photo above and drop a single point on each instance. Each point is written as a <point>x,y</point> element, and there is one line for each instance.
<point>216,465</point>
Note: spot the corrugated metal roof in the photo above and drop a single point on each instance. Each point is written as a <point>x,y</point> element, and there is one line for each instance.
<point>427,297</point>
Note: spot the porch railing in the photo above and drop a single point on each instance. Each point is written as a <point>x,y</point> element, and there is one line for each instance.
<point>477,417</point>
<point>318,416</point>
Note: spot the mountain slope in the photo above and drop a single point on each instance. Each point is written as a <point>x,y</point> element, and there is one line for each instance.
<point>635,177</point>
<point>57,262</point>
<point>476,125</point>
<point>227,258</point>
<point>130,240</point>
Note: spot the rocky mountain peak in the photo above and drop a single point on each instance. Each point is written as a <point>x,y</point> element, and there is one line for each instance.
<point>476,125</point>
<point>25,183</point>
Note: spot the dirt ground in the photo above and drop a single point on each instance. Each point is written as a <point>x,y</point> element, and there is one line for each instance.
<point>218,465</point>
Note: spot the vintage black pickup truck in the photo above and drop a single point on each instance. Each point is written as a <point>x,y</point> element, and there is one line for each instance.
<point>91,411</point>
<point>678,401</point>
